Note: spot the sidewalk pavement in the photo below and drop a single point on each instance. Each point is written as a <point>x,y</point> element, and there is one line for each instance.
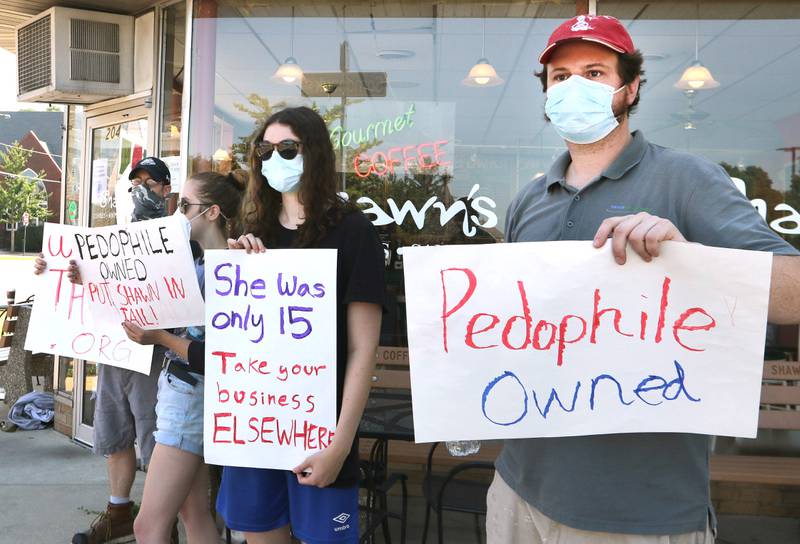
<point>51,488</point>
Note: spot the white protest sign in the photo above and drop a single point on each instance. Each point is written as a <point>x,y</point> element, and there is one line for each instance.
<point>141,272</point>
<point>270,397</point>
<point>556,339</point>
<point>16,272</point>
<point>60,323</point>
<point>123,203</point>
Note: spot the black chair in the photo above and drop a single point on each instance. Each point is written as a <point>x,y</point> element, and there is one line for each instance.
<point>451,492</point>
<point>377,481</point>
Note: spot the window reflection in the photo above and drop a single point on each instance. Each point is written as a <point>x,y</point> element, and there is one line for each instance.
<point>174,47</point>
<point>430,159</point>
<point>750,123</point>
<point>76,120</point>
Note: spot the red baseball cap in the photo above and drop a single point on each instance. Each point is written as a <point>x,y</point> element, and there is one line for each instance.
<point>602,29</point>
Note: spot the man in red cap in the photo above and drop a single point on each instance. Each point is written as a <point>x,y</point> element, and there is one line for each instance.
<point>638,488</point>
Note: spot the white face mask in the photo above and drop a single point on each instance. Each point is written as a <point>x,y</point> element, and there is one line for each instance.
<point>580,109</point>
<point>186,223</point>
<point>283,175</point>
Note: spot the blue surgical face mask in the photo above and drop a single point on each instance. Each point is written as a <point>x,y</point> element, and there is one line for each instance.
<point>283,175</point>
<point>580,109</point>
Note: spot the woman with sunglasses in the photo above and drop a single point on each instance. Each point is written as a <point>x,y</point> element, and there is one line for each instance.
<point>292,202</point>
<point>177,479</point>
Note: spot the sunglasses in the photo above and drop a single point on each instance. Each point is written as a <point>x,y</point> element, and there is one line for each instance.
<point>287,149</point>
<point>184,204</point>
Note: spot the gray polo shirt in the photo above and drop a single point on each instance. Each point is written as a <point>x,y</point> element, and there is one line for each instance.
<point>628,483</point>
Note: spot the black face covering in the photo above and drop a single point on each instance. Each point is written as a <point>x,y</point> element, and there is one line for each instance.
<point>147,204</point>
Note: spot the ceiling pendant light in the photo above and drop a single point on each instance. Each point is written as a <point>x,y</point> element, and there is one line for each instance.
<point>482,74</point>
<point>696,77</point>
<point>289,71</point>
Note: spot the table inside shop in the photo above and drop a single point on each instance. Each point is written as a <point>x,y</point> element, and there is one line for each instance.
<point>387,416</point>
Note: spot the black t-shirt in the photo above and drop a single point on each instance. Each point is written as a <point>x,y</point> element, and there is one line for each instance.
<point>359,278</point>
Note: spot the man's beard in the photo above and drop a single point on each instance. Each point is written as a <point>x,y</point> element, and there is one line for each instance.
<point>622,111</point>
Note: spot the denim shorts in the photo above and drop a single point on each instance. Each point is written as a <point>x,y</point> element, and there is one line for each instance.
<point>179,413</point>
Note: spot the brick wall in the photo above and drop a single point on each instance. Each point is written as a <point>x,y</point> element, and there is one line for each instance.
<point>63,418</point>
<point>763,500</point>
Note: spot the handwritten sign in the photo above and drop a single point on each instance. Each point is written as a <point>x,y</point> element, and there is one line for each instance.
<point>142,272</point>
<point>270,397</point>
<point>555,339</point>
<point>60,321</point>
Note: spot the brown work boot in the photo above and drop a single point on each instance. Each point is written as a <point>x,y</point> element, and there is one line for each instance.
<point>113,526</point>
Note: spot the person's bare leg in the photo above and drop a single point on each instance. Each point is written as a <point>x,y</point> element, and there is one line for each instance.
<point>276,536</point>
<point>170,476</point>
<point>196,512</point>
<point>121,472</point>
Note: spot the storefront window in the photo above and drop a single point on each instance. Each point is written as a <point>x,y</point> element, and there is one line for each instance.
<point>750,122</point>
<point>173,26</point>
<point>66,375</point>
<point>89,394</point>
<point>434,149</point>
<point>76,122</point>
<point>432,156</point>
<point>115,149</point>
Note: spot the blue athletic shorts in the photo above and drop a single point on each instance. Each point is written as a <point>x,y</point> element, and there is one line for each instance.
<point>258,500</point>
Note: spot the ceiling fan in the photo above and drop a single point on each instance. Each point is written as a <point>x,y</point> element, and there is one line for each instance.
<point>691,116</point>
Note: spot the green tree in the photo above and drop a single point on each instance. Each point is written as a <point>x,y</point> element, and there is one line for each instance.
<point>20,194</point>
<point>757,182</point>
<point>793,194</point>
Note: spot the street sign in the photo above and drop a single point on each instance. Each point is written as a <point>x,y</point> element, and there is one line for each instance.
<point>26,218</point>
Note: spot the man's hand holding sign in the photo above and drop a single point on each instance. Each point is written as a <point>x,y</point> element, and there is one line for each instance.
<point>644,233</point>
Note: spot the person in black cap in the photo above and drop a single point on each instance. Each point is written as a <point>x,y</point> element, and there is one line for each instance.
<point>151,185</point>
<point>125,400</point>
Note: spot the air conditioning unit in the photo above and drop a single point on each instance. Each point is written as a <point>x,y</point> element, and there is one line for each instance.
<point>74,56</point>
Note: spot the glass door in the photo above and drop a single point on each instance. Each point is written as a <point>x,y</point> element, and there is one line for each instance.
<point>114,143</point>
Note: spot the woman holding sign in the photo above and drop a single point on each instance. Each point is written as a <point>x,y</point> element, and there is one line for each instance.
<point>292,202</point>
<point>177,479</point>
